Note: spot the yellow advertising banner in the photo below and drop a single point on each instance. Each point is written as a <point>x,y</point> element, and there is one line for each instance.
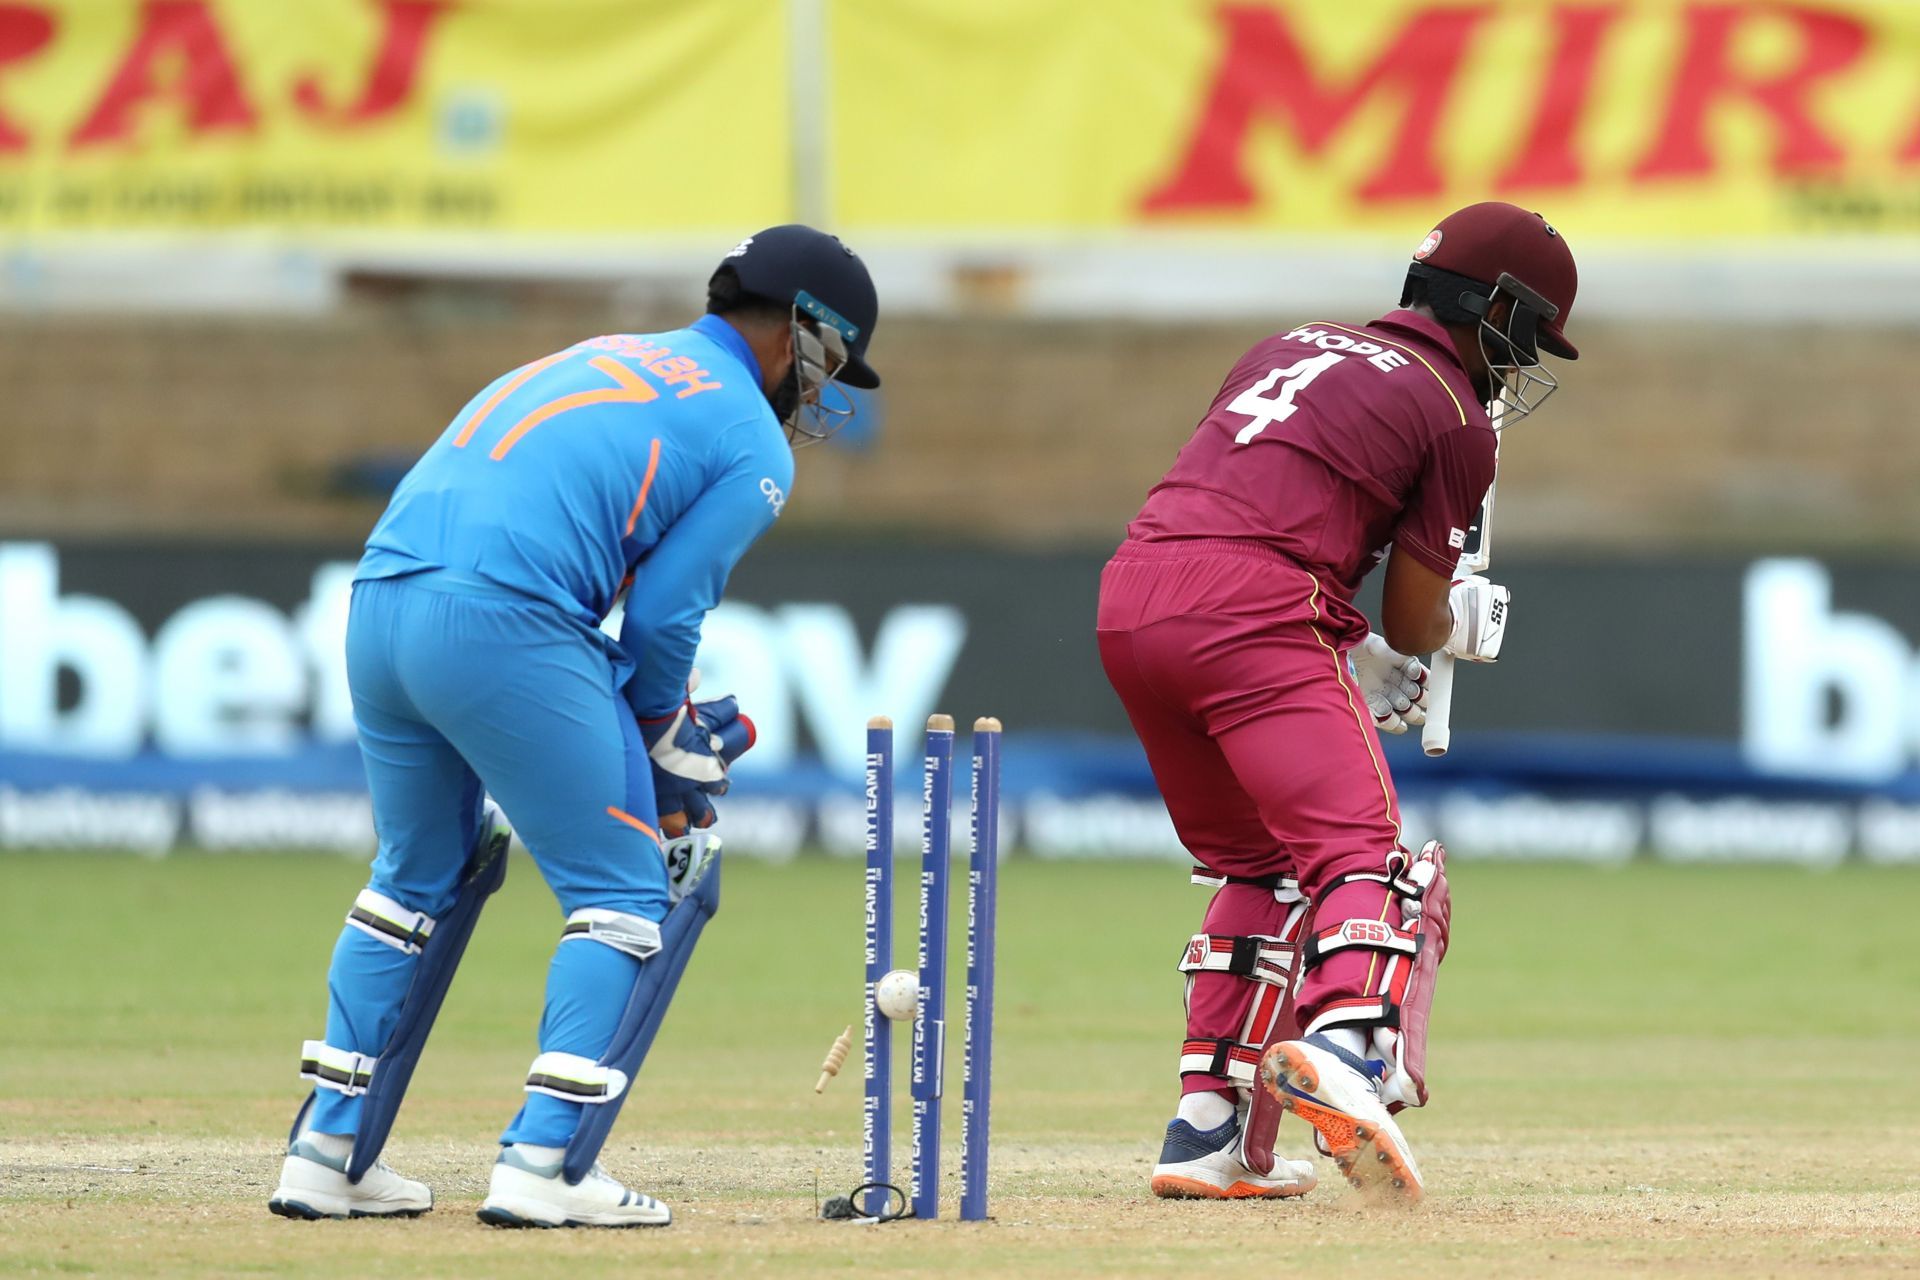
<point>410,120</point>
<point>1649,120</point>
<point>599,117</point>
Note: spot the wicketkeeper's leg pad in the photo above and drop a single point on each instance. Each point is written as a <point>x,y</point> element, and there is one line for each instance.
<point>572,1077</point>
<point>439,943</point>
<point>1239,972</point>
<point>604,1083</point>
<point>1371,959</point>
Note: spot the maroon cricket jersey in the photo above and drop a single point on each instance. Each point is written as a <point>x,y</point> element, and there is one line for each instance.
<point>1328,443</point>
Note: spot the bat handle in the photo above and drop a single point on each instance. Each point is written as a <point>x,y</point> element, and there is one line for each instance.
<point>1438,733</point>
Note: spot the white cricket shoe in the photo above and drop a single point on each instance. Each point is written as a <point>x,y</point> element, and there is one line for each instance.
<point>526,1192</point>
<point>1198,1164</point>
<point>1339,1095</point>
<point>314,1185</point>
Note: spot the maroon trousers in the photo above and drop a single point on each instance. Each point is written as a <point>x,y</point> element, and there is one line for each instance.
<point>1230,660</point>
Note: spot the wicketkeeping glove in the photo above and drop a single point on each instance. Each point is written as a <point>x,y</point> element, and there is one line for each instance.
<point>1479,619</point>
<point>689,751</point>
<point>1394,685</point>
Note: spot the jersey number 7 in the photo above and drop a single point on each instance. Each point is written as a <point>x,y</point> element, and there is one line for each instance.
<point>631,388</point>
<point>1265,410</point>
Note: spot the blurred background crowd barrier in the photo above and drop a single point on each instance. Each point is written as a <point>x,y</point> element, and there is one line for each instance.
<point>253,257</point>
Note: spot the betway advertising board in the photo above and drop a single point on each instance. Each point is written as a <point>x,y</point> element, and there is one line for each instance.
<point>155,696</point>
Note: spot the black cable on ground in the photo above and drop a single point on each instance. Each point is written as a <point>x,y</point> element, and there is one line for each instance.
<point>845,1208</point>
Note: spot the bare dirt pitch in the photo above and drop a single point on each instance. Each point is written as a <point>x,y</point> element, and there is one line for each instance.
<point>1649,1070</point>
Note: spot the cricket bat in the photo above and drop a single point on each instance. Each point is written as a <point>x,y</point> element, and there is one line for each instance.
<point>1475,554</point>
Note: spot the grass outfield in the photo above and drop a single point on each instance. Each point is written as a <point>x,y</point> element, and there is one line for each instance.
<point>1691,1070</point>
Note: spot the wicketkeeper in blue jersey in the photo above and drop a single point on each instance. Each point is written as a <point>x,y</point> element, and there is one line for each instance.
<point>637,463</point>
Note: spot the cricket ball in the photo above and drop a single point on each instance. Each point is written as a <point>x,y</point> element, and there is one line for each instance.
<point>896,994</point>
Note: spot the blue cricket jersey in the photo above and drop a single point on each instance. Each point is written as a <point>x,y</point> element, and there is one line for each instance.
<point>654,457</point>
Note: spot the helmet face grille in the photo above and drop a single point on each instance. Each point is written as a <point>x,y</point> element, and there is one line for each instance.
<point>1520,387</point>
<point>1521,383</point>
<point>819,354</point>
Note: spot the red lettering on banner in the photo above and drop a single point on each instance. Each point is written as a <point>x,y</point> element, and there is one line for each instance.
<point>1548,157</point>
<point>395,71</point>
<point>1264,73</point>
<point>1707,77</point>
<point>182,33</point>
<point>24,30</point>
<point>1910,152</point>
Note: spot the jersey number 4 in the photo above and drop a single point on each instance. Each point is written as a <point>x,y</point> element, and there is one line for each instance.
<point>1265,410</point>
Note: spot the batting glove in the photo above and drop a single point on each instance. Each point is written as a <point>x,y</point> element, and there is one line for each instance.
<point>1394,685</point>
<point>1479,619</point>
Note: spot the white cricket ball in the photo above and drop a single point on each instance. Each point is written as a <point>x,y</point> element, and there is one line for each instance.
<point>896,994</point>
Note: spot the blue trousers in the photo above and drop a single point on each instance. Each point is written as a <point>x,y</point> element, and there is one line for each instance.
<point>459,692</point>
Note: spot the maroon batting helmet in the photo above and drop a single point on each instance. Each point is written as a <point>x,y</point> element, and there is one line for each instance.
<point>1488,241</point>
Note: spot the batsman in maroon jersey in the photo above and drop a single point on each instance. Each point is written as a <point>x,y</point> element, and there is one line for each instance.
<point>1228,628</point>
